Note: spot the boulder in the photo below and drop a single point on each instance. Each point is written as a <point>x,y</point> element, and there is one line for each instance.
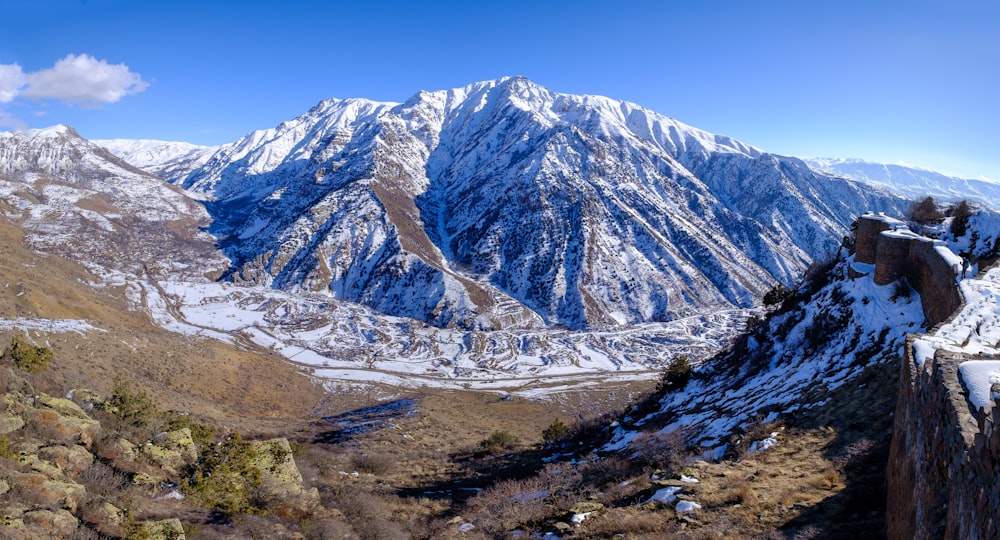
<point>50,523</point>
<point>39,490</point>
<point>71,459</point>
<point>166,529</point>
<point>10,422</point>
<point>280,477</point>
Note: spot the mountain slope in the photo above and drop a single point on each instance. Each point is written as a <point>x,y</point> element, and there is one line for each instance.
<point>76,199</point>
<point>506,204</point>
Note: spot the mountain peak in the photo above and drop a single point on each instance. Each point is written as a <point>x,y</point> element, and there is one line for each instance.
<point>58,130</point>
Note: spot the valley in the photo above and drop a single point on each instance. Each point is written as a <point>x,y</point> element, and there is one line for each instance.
<point>490,311</point>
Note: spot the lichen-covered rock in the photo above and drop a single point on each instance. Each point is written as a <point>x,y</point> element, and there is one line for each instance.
<point>105,518</point>
<point>10,522</point>
<point>62,406</point>
<point>165,458</point>
<point>146,480</point>
<point>280,477</point>
<point>71,459</point>
<point>38,465</point>
<point>41,491</point>
<point>10,422</point>
<point>182,441</point>
<point>58,427</point>
<point>50,523</point>
<point>167,529</point>
<point>587,507</point>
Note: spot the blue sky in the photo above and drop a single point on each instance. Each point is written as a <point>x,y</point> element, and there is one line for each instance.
<point>915,81</point>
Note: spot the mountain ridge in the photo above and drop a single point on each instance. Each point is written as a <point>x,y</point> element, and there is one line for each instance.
<point>611,214</point>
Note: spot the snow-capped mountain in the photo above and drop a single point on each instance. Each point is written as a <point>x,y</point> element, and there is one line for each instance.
<point>506,204</point>
<point>913,182</point>
<point>74,198</point>
<point>160,158</point>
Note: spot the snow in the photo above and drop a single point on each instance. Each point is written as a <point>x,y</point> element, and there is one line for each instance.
<point>665,495</point>
<point>764,444</point>
<point>340,341</point>
<point>979,377</point>
<point>49,325</point>
<point>687,507</point>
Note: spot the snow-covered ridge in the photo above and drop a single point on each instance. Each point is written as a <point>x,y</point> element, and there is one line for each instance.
<point>148,153</point>
<point>914,182</point>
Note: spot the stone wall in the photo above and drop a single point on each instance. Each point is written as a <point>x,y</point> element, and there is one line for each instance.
<point>896,252</point>
<point>866,236</point>
<point>944,465</point>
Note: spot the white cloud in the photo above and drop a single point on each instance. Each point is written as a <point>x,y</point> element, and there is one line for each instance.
<point>9,121</point>
<point>12,79</point>
<point>80,79</point>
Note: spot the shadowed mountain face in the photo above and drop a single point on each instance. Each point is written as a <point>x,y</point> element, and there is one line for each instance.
<point>503,204</point>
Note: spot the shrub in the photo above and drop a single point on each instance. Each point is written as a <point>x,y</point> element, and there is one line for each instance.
<point>925,211</point>
<point>556,432</point>
<point>960,220</point>
<point>777,295</point>
<point>132,407</point>
<point>27,356</point>
<point>498,440</point>
<point>226,477</point>
<point>661,450</point>
<point>377,464</point>
<point>677,374</point>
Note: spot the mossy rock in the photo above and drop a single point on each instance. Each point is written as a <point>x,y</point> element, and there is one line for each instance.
<point>11,422</point>
<point>71,459</point>
<point>586,507</point>
<point>166,529</point>
<point>63,406</point>
<point>51,524</point>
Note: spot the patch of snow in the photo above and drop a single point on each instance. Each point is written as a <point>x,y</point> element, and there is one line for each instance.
<point>760,446</point>
<point>979,377</point>
<point>665,495</point>
<point>687,507</point>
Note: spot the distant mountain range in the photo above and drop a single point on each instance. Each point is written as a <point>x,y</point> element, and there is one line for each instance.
<point>913,182</point>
